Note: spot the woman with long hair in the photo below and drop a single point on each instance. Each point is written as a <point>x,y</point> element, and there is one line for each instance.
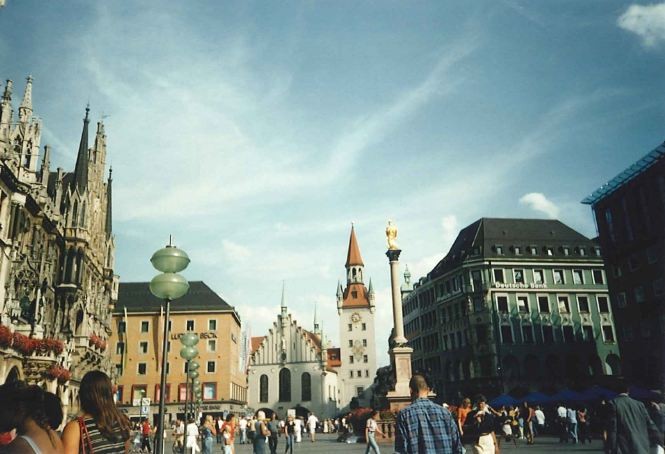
<point>101,427</point>
<point>24,409</point>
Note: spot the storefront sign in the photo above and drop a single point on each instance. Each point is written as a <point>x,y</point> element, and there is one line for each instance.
<point>525,286</point>
<point>208,335</point>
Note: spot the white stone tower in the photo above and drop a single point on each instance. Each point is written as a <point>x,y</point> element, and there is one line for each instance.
<point>355,306</point>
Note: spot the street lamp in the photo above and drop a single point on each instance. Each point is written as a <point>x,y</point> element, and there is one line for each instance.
<point>189,352</point>
<point>168,286</point>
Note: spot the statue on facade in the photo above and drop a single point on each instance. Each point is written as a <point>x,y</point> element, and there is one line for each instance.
<point>391,235</point>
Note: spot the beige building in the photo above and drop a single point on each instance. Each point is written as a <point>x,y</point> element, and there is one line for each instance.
<point>136,343</point>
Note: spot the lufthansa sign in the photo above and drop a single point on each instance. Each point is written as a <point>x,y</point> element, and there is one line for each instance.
<point>208,335</point>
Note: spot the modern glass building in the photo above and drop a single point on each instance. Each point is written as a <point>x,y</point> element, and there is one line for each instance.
<point>630,215</point>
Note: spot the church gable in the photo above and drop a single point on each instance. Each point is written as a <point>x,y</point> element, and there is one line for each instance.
<point>286,343</point>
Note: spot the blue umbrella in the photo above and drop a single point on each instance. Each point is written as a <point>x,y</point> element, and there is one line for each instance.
<point>598,393</point>
<point>503,399</point>
<point>641,394</point>
<point>566,395</point>
<point>537,398</point>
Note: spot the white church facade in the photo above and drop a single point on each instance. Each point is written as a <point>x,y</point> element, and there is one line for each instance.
<point>291,368</point>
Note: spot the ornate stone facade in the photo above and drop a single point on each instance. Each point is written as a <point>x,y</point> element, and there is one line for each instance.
<point>57,286</point>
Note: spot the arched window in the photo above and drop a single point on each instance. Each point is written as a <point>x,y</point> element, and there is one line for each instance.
<point>285,385</point>
<point>306,387</point>
<point>263,391</point>
<point>75,214</point>
<point>82,222</point>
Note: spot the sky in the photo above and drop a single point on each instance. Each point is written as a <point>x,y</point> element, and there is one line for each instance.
<point>256,132</point>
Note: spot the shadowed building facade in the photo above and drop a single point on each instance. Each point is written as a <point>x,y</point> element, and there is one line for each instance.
<point>57,286</point>
<point>516,304</point>
<point>630,217</point>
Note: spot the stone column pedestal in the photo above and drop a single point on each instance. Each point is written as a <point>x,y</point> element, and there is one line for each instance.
<point>400,359</point>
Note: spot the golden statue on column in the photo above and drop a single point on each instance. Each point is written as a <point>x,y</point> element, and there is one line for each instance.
<point>391,235</point>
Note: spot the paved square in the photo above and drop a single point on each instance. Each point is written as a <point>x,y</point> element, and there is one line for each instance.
<point>327,443</point>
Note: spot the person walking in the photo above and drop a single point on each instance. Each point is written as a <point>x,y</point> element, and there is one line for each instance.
<point>571,419</point>
<point>23,410</point>
<point>273,427</point>
<point>483,424</point>
<point>230,424</point>
<point>425,427</point>
<point>192,432</point>
<point>100,427</point>
<point>371,428</point>
<point>583,430</point>
<point>630,429</point>
<point>242,424</point>
<point>289,434</point>
<point>219,422</point>
<point>179,436</point>
<point>261,433</point>
<point>540,421</point>
<point>207,432</point>
<point>312,421</point>
<point>562,418</point>
<point>528,413</point>
<point>462,412</point>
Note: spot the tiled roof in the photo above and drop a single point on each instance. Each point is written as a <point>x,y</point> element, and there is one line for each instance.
<point>334,357</point>
<point>361,298</point>
<point>481,239</point>
<point>136,297</point>
<point>314,338</point>
<point>255,343</point>
<point>353,255</point>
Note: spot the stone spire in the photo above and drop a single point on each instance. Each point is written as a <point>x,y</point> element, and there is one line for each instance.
<point>6,104</point>
<point>109,204</point>
<point>317,328</point>
<point>25,110</point>
<point>283,302</point>
<point>80,180</point>
<point>407,275</point>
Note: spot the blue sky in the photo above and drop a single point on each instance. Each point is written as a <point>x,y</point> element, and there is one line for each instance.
<point>256,132</point>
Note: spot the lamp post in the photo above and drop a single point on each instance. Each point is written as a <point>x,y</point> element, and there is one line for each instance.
<point>193,367</point>
<point>168,286</point>
<point>188,353</point>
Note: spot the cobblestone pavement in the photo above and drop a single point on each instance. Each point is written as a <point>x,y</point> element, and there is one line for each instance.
<point>326,443</point>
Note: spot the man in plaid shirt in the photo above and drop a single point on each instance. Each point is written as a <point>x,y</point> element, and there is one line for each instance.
<point>425,427</point>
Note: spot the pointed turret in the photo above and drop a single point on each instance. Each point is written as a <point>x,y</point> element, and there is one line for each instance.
<point>282,304</point>
<point>370,292</point>
<point>407,275</point>
<point>109,204</point>
<point>6,107</point>
<point>353,257</point>
<point>317,328</point>
<point>46,164</point>
<point>80,180</point>
<point>25,110</point>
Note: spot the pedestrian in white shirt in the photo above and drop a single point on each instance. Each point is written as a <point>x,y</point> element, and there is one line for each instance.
<point>242,424</point>
<point>312,421</point>
<point>192,437</point>
<point>540,420</point>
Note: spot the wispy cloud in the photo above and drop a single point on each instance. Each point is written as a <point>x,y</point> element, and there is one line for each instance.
<point>538,202</point>
<point>646,21</point>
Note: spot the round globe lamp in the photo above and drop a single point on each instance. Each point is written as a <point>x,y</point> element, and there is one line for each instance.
<point>194,365</point>
<point>188,353</point>
<point>189,339</point>
<point>170,259</point>
<point>193,374</point>
<point>167,286</point>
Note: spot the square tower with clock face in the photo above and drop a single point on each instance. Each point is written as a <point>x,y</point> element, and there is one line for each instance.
<point>355,306</point>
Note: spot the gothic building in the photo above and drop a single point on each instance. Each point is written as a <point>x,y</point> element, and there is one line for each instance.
<point>291,368</point>
<point>57,285</point>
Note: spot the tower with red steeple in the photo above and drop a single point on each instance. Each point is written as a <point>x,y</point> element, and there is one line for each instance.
<point>355,306</point>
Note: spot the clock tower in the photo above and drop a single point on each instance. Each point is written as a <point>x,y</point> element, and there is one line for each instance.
<point>355,306</point>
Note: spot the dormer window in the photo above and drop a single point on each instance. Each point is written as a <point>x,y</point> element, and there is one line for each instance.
<point>499,250</point>
<point>533,250</point>
<point>518,250</point>
<point>549,251</point>
<point>597,251</point>
<point>582,251</point>
<point>566,251</point>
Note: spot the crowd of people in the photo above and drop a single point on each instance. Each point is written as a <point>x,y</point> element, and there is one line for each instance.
<point>625,425</point>
<point>30,418</point>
